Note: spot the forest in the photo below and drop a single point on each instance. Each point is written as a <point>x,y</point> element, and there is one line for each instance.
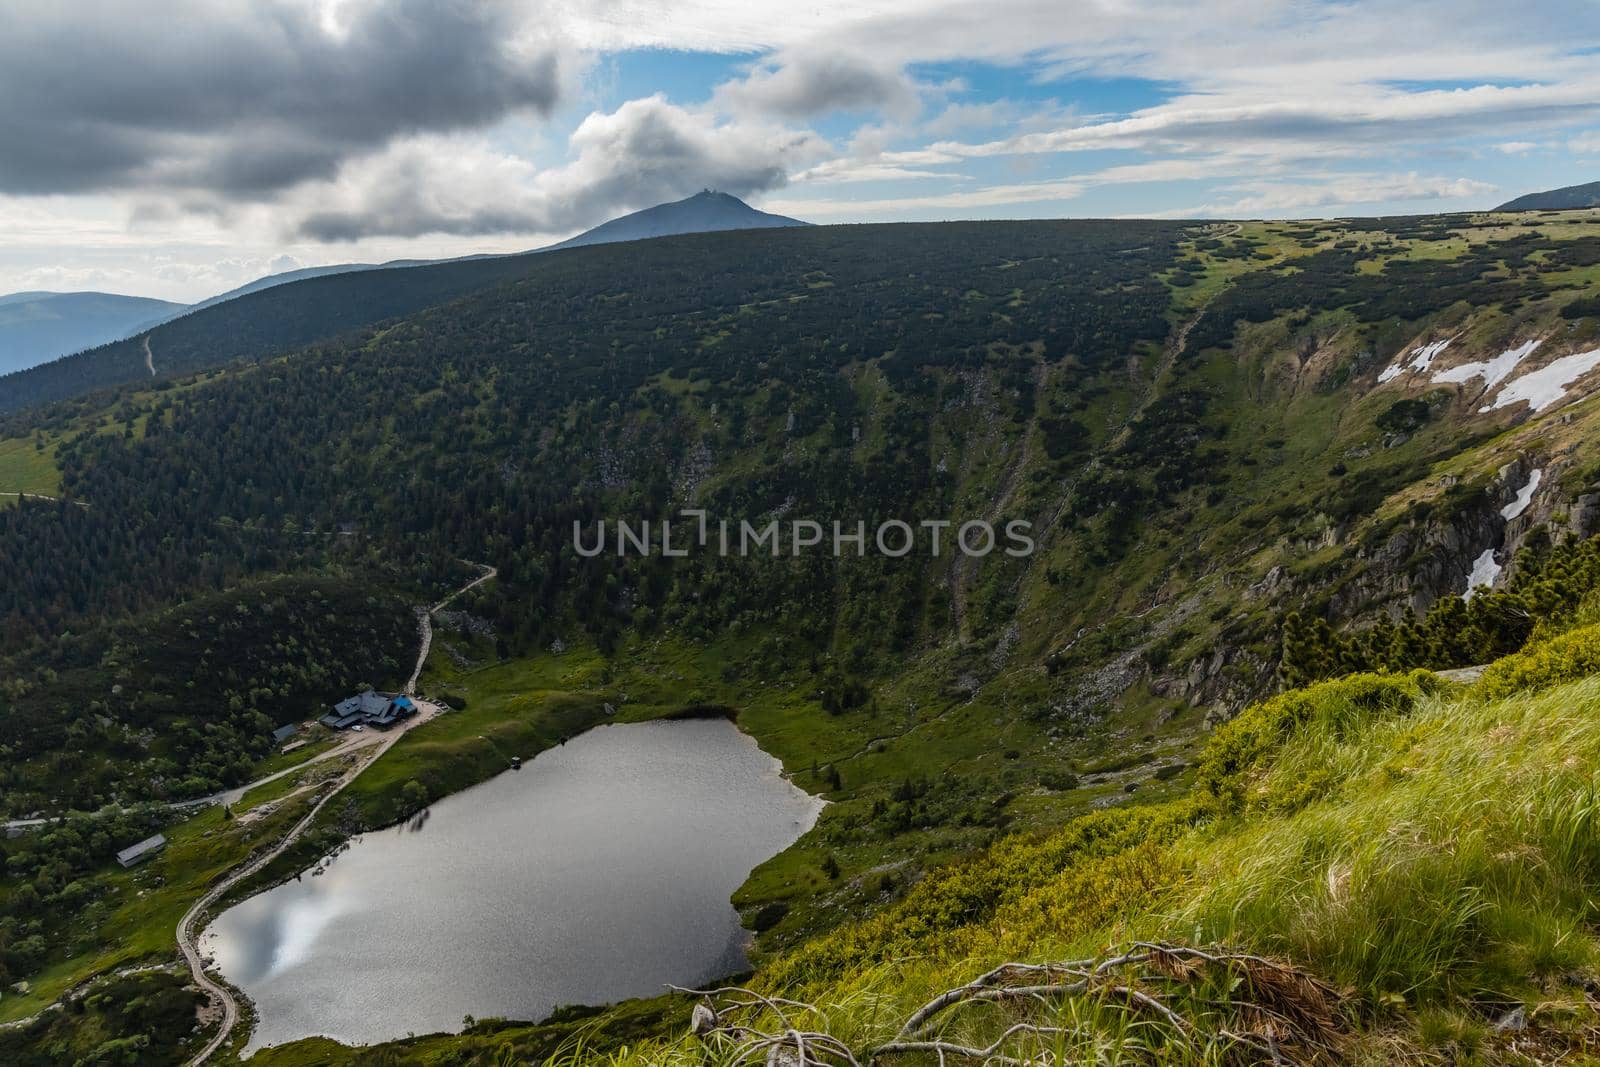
<point>868,371</point>
<point>487,429</point>
<point>181,702</point>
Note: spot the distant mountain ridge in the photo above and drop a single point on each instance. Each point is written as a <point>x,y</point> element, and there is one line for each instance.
<point>704,212</point>
<point>1567,198</point>
<point>36,327</point>
<point>300,307</point>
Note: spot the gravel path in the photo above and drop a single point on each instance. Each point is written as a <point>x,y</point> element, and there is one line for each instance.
<point>188,933</point>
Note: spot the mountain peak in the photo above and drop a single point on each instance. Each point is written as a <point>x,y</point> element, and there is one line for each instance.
<point>707,211</point>
<point>712,196</point>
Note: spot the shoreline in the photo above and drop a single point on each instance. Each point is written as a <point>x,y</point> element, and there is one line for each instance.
<point>757,770</point>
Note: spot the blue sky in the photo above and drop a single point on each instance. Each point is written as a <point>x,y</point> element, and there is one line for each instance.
<point>287,133</point>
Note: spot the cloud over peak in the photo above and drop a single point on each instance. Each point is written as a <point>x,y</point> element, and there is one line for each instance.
<point>646,151</point>
<point>423,128</point>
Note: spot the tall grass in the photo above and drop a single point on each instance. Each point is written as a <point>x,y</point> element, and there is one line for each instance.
<point>1432,851</point>
<point>1448,853</point>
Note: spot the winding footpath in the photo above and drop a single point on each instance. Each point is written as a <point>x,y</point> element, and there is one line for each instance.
<point>425,623</point>
<point>188,926</point>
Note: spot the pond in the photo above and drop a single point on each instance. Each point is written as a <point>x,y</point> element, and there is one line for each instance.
<point>599,871</point>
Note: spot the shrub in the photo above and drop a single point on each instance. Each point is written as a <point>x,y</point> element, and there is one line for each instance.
<point>1404,416</point>
<point>1561,659</point>
<point>1239,747</point>
<point>1583,308</point>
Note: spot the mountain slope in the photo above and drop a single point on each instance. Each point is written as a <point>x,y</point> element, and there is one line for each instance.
<point>1018,371</point>
<point>38,327</point>
<point>284,311</point>
<point>299,275</point>
<point>1563,199</point>
<point>704,212</point>
<point>258,324</point>
<point>1210,429</point>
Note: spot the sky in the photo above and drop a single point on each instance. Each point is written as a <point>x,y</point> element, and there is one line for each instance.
<point>179,149</point>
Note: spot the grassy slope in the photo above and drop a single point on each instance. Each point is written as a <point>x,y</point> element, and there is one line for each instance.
<point>26,469</point>
<point>1429,848</point>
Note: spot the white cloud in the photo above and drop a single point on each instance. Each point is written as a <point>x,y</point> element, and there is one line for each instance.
<point>644,152</point>
<point>1377,119</point>
<point>801,85</point>
<point>1209,44</point>
<point>329,128</point>
<point>1272,198</point>
<point>1260,197</point>
<point>965,200</point>
<point>851,170</point>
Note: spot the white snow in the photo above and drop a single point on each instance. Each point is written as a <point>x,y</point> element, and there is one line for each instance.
<point>1524,497</point>
<point>1423,357</point>
<point>1484,571</point>
<point>1418,359</point>
<point>1494,371</point>
<point>1548,385</point>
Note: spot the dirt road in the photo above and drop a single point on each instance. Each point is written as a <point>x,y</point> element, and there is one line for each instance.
<point>188,934</point>
<point>378,744</point>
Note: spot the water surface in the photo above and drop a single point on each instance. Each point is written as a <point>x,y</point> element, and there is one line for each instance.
<point>601,870</point>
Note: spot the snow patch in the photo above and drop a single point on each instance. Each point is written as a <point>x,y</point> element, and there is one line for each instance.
<point>1548,385</point>
<point>1485,569</point>
<point>1493,371</point>
<point>1423,357</point>
<point>1418,359</point>
<point>1524,497</point>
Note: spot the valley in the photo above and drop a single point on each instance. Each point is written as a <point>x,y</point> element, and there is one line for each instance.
<point>1252,453</point>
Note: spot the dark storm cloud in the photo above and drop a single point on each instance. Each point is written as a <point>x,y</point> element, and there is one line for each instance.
<point>245,99</point>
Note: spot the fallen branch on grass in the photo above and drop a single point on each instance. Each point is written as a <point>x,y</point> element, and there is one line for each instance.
<point>1252,1009</point>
